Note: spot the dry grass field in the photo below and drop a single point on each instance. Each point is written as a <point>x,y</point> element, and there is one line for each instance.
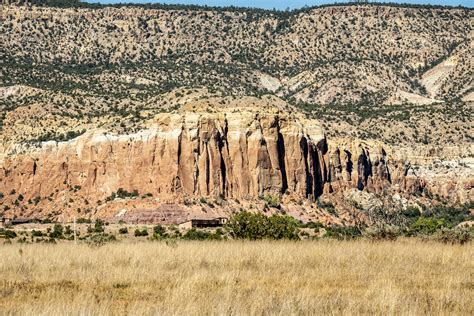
<point>201,278</point>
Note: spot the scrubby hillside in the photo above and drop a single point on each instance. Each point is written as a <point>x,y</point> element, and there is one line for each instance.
<point>322,55</point>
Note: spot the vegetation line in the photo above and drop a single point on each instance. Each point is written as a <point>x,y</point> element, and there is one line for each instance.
<point>195,7</point>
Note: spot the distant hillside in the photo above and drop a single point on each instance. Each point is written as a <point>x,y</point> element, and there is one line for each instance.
<point>82,64</point>
<point>325,55</point>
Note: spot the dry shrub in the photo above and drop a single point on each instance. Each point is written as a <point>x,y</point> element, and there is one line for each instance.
<point>459,236</point>
<point>382,232</point>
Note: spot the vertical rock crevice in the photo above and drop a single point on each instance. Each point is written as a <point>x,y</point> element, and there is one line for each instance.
<point>281,161</point>
<point>318,181</point>
<point>223,168</point>
<point>309,176</point>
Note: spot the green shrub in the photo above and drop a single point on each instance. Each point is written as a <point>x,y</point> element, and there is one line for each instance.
<point>84,221</point>
<point>122,194</point>
<point>272,200</point>
<point>427,225</point>
<point>57,232</point>
<point>123,230</point>
<point>342,232</point>
<point>9,234</point>
<point>253,226</point>
<point>100,239</point>
<point>314,225</point>
<point>159,230</point>
<point>68,230</point>
<point>194,234</point>
<point>283,227</point>
<point>141,233</point>
<point>36,233</point>
<point>246,225</point>
<point>451,215</point>
<point>98,227</point>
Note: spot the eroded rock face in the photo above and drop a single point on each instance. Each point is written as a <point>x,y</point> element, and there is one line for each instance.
<point>239,153</point>
<point>233,153</point>
<point>362,170</point>
<point>368,166</point>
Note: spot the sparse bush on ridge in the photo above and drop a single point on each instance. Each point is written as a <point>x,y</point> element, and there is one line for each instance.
<point>122,194</point>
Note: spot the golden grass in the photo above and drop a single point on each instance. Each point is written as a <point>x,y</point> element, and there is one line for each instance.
<point>321,277</point>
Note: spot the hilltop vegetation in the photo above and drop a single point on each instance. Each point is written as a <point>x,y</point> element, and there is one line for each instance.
<point>333,54</point>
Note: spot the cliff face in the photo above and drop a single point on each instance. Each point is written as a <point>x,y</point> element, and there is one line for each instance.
<point>236,153</point>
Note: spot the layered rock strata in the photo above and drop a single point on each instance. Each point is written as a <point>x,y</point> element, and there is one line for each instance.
<point>239,153</point>
<point>234,153</point>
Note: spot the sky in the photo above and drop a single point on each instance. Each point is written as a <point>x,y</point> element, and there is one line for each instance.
<point>281,4</point>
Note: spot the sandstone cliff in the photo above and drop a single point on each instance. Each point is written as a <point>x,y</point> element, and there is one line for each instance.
<point>228,153</point>
<point>240,153</point>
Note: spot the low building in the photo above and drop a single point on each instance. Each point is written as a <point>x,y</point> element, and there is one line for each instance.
<point>18,221</point>
<point>204,223</point>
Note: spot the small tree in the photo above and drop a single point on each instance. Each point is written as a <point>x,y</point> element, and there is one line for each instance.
<point>10,234</point>
<point>246,225</point>
<point>57,232</point>
<point>99,226</point>
<point>159,230</point>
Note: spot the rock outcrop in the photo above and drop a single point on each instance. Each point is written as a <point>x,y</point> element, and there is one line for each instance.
<point>232,153</point>
<point>369,166</point>
<point>240,153</point>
